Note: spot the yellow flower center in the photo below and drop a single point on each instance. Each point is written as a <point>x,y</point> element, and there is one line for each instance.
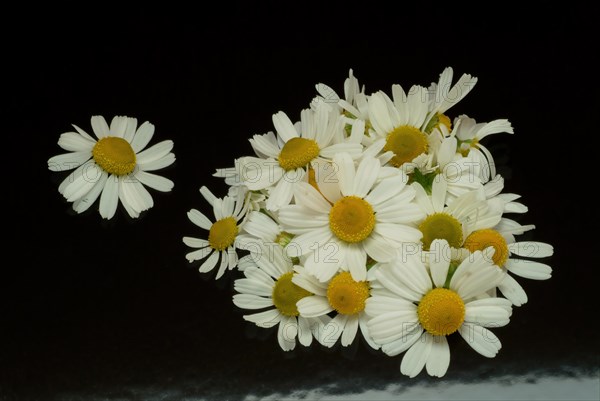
<point>114,155</point>
<point>347,296</point>
<point>222,233</point>
<point>298,152</point>
<point>481,239</point>
<point>441,226</point>
<point>407,143</point>
<point>286,294</point>
<point>441,312</point>
<point>351,219</point>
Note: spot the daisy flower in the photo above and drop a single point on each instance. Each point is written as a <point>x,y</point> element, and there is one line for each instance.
<point>455,219</point>
<point>366,218</point>
<point>469,134</point>
<point>114,166</point>
<point>508,256</point>
<point>416,312</point>
<point>283,160</point>
<point>221,234</point>
<point>400,124</point>
<point>342,295</point>
<point>268,284</point>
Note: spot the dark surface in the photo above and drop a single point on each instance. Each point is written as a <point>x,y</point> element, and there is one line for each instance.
<point>96,308</point>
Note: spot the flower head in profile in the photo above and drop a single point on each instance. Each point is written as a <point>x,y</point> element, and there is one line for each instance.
<point>113,166</point>
<point>222,233</point>
<point>419,304</point>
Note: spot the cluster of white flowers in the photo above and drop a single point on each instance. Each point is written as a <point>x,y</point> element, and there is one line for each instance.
<point>371,213</point>
<point>375,214</point>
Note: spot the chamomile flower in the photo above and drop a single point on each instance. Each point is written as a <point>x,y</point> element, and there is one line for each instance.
<point>508,256</point>
<point>366,218</point>
<point>342,295</point>
<point>469,133</point>
<point>222,234</point>
<point>268,284</point>
<point>416,311</point>
<point>283,160</point>
<point>400,123</point>
<point>114,166</point>
<point>455,219</point>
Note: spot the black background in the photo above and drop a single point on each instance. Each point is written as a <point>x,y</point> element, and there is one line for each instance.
<point>113,309</point>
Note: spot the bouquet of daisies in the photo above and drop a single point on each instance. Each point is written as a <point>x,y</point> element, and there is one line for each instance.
<point>377,216</point>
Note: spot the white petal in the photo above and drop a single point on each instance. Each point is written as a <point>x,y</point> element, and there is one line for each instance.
<point>84,203</point>
<point>84,134</point>
<point>68,161</point>
<point>143,135</point>
<point>158,163</point>
<point>313,306</point>
<point>391,326</point>
<point>439,358</point>
<point>199,219</point>
<point>345,172</point>
<point>362,324</point>
<point>356,261</point>
<point>109,199</point>
<point>304,331</point>
<point>350,330</point>
<point>438,265</point>
<point>198,254</point>
<point>387,189</point>
<point>155,181</point>
<point>99,126</point>
<point>529,269</point>
<point>487,315</point>
<point>284,126</point>
<point>438,193</point>
<point>223,265</point>
<point>366,175</point>
<point>310,284</point>
<point>379,248</point>
<point>130,130</point>
<point>154,152</point>
<point>247,301</point>
<point>118,126</point>
<point>249,286</point>
<point>287,333</point>
<point>306,195</point>
<point>480,339</point>
<point>530,249</point>
<point>195,242</point>
<point>353,149</point>
<point>268,318</point>
<point>310,242</point>
<point>209,263</point>
<point>513,291</point>
<point>73,142</point>
<point>404,342</point>
<point>416,357</point>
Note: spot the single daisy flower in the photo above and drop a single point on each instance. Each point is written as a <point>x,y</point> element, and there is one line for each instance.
<point>454,219</point>
<point>366,218</point>
<point>222,234</point>
<point>268,284</point>
<point>342,295</point>
<point>114,166</point>
<point>400,124</point>
<point>283,160</point>
<point>417,312</point>
<point>509,255</point>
